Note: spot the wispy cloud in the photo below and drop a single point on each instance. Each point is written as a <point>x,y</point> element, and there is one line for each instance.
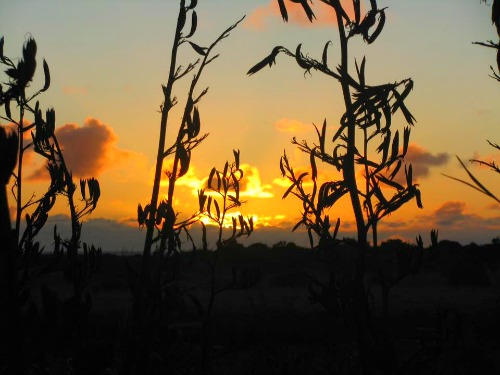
<point>89,149</point>
<point>262,17</point>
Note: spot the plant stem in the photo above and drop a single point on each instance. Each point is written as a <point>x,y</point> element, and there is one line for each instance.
<point>350,179</point>
<point>19,207</point>
<point>150,221</point>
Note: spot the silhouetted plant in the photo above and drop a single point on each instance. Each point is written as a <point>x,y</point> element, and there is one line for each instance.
<point>155,285</point>
<point>476,184</point>
<point>161,217</point>
<point>22,251</point>
<point>221,195</point>
<point>224,186</point>
<point>495,20</point>
<point>367,120</point>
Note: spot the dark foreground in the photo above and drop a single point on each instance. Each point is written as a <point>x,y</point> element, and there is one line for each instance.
<point>445,319</point>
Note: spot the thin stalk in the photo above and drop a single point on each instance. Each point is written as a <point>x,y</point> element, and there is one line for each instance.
<point>150,223</point>
<point>350,178</point>
<point>19,207</point>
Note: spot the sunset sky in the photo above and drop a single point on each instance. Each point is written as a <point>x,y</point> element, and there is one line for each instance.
<point>108,59</point>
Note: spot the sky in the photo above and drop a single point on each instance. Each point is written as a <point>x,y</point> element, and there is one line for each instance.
<point>108,59</point>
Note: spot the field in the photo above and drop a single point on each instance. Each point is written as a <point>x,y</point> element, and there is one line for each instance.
<point>442,320</point>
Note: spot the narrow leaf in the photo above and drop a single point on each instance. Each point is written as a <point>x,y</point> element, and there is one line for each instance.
<point>314,169</point>
<point>283,10</point>
<point>386,181</point>
<point>325,53</point>
<point>184,158</point>
<point>194,24</point>
<point>47,76</point>
<point>406,140</point>
<point>196,123</point>
<point>395,146</point>
<point>409,175</point>
<point>198,49</point>
<point>217,209</point>
<point>82,188</point>
<point>379,28</point>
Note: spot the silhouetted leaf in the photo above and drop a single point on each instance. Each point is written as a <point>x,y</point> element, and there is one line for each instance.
<point>339,132</point>
<point>82,188</point>
<point>94,190</point>
<point>300,59</point>
<point>47,76</point>
<point>323,137</point>
<point>400,105</point>
<point>233,219</point>
<point>283,10</point>
<point>406,140</point>
<point>395,146</point>
<point>184,158</point>
<point>194,24</point>
<point>181,20</point>
<point>396,169</point>
<point>381,22</point>
<point>296,226</point>
<point>242,223</point>
<point>378,193</point>
<point>288,191</point>
<point>409,175</point>
<point>193,4</point>
<point>281,167</point>
<point>196,123</point>
<point>236,154</point>
<point>407,89</point>
<point>307,9</point>
<point>418,197</point>
<point>314,169</point>
<point>217,209</point>
<point>391,183</point>
<point>325,53</point>
<point>1,47</point>
<point>309,234</point>
<point>357,11</point>
<point>198,49</point>
<point>337,227</point>
<point>7,108</point>
<point>269,60</point>
<point>209,205</point>
<point>140,215</point>
<point>210,178</point>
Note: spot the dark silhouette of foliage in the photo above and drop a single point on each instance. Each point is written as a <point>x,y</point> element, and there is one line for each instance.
<point>476,184</point>
<point>158,296</point>
<point>367,120</point>
<point>21,254</point>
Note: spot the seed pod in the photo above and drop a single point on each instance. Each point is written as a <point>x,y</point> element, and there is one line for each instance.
<point>46,72</point>
<point>194,25</point>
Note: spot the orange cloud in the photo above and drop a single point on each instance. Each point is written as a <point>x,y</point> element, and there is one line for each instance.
<point>261,17</point>
<point>286,125</point>
<point>88,150</point>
